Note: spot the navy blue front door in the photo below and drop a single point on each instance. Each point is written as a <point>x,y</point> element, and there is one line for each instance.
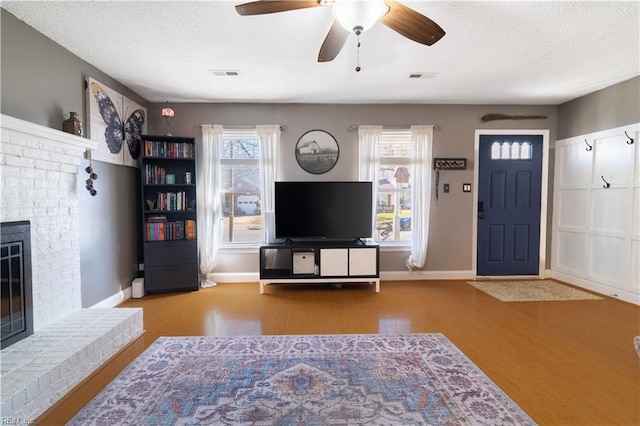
<point>509,198</point>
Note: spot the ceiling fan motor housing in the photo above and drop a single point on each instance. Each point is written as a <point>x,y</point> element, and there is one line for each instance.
<point>357,15</point>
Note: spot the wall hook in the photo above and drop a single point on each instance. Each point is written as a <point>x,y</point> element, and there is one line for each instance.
<point>589,147</point>
<point>630,141</point>
<point>606,184</point>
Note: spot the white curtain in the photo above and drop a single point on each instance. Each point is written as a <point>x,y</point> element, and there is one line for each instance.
<point>269,138</point>
<point>209,206</point>
<point>421,148</point>
<point>369,162</point>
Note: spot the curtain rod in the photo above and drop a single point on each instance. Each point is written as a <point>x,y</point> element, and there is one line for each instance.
<point>244,127</point>
<point>354,127</point>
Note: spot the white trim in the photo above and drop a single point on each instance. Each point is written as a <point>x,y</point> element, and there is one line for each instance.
<point>603,289</point>
<point>426,275</point>
<point>235,277</point>
<point>36,130</point>
<point>251,277</point>
<point>240,248</point>
<point>543,197</point>
<point>114,300</point>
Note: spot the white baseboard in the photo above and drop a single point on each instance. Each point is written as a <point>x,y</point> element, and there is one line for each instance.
<point>236,277</point>
<point>605,290</point>
<point>114,300</point>
<point>249,277</point>
<point>426,275</point>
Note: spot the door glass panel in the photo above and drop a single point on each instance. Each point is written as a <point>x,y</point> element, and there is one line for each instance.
<point>525,151</point>
<point>505,151</point>
<point>515,150</point>
<point>495,151</point>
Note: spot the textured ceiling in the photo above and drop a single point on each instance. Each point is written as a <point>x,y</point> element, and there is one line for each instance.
<point>494,52</point>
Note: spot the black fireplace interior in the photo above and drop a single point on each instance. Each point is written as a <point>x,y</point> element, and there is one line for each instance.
<point>15,277</point>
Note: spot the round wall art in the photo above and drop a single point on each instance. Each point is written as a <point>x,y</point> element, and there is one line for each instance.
<point>317,152</point>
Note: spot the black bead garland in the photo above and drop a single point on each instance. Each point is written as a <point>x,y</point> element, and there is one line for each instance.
<point>92,176</point>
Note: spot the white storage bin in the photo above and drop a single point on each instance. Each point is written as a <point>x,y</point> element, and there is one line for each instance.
<point>304,262</point>
<point>137,288</point>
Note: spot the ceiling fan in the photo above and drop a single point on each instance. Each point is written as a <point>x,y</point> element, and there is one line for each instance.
<point>355,16</point>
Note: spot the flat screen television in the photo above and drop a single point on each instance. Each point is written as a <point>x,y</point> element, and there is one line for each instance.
<point>323,210</point>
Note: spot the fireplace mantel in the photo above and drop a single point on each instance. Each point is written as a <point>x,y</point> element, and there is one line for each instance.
<point>34,130</point>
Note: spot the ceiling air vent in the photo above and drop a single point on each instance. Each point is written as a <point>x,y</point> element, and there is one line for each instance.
<point>225,73</point>
<point>423,75</point>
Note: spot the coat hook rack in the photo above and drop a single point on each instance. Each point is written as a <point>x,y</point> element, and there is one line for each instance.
<point>630,141</point>
<point>606,185</point>
<point>589,147</point>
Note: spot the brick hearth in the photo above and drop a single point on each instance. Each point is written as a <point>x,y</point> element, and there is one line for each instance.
<point>39,370</point>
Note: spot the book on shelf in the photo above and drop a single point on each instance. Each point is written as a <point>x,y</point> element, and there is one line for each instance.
<point>191,229</point>
<point>172,201</point>
<point>154,175</point>
<point>169,231</point>
<point>157,219</point>
<point>164,149</point>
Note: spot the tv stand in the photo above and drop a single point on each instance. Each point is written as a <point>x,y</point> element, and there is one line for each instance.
<point>320,262</point>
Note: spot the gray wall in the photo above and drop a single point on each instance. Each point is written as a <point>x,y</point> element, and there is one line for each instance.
<point>41,81</point>
<point>109,231</point>
<point>451,235</point>
<point>615,106</point>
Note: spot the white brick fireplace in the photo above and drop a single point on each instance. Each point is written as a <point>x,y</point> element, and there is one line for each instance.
<point>39,169</point>
<point>39,184</point>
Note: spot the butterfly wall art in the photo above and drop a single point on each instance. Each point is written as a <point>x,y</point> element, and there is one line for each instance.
<point>116,123</point>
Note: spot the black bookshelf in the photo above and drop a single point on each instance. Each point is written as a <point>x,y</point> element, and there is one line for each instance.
<point>169,219</point>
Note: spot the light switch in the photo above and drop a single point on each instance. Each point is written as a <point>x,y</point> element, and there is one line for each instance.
<point>466,187</point>
<point>445,188</point>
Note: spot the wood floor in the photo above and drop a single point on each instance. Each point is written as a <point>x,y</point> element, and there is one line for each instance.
<point>564,363</point>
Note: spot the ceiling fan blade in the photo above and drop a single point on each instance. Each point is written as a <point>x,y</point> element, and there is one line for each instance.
<point>333,43</point>
<point>262,7</point>
<point>411,24</point>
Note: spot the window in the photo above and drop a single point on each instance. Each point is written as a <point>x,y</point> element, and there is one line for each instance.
<point>241,189</point>
<point>393,206</point>
<point>399,163</point>
<point>511,150</point>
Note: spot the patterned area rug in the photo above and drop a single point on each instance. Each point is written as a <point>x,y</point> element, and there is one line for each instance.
<point>531,291</point>
<point>412,379</point>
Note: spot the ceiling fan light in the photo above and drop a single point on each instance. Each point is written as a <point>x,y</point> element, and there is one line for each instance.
<point>361,14</point>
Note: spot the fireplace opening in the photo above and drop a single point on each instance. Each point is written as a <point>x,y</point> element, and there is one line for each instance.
<point>16,308</point>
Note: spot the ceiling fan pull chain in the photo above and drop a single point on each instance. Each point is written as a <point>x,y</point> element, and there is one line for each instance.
<point>358,53</point>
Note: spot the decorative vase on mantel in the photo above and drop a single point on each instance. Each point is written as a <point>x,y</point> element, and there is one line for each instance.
<point>73,124</point>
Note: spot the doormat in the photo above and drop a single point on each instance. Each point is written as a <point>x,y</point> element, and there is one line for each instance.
<point>531,291</point>
<point>410,379</point>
